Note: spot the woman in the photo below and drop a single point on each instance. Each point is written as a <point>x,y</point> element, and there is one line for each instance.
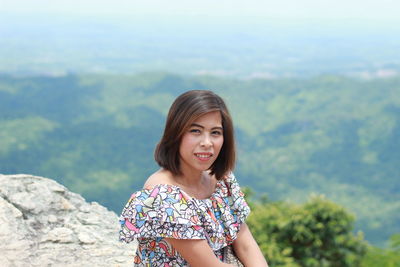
<point>192,209</point>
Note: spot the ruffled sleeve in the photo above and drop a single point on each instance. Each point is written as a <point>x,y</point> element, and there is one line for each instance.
<point>238,205</point>
<point>159,212</point>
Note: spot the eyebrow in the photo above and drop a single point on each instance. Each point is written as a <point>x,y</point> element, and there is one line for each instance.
<point>200,126</point>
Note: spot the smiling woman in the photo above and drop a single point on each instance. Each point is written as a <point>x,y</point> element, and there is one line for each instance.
<point>192,212</point>
<point>183,118</point>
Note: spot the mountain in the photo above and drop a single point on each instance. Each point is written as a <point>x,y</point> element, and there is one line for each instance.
<point>330,135</point>
<point>245,48</point>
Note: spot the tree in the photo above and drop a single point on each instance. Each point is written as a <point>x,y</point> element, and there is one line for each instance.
<point>317,233</point>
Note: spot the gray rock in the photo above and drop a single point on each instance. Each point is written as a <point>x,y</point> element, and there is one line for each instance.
<point>42,223</point>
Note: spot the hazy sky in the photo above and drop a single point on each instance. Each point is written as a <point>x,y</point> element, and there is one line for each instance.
<point>372,10</point>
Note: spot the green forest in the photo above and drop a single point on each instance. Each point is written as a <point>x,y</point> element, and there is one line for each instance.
<point>325,145</point>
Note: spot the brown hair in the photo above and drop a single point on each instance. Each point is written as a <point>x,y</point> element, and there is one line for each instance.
<point>187,108</point>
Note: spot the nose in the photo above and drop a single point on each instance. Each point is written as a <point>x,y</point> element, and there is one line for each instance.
<point>206,141</point>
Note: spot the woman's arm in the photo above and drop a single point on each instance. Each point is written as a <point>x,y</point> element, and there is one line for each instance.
<point>247,250</point>
<point>196,252</point>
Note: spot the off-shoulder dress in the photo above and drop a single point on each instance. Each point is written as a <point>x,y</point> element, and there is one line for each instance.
<point>166,211</point>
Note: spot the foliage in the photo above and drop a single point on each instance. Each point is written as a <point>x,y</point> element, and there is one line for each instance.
<point>317,233</point>
<point>389,257</point>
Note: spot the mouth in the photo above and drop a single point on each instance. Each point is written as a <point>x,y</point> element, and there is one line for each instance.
<point>203,156</point>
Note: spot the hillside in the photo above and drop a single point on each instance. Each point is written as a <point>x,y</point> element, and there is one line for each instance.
<point>327,135</point>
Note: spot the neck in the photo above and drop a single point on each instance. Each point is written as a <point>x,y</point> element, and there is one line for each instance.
<point>190,177</point>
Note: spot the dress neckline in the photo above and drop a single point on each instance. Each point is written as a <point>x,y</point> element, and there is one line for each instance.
<point>218,184</point>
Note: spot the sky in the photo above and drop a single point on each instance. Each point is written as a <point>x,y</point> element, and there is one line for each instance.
<point>368,10</point>
<point>372,23</point>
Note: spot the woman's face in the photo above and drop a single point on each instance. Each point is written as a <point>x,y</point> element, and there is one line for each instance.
<point>201,143</point>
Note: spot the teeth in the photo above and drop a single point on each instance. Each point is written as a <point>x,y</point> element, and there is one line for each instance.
<point>203,156</point>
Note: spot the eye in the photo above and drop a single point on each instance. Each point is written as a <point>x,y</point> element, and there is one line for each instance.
<point>194,131</point>
<point>216,132</point>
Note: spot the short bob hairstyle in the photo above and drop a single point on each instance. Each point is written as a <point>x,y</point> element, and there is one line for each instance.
<point>184,111</point>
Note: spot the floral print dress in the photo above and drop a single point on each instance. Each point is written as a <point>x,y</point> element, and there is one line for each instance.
<point>161,211</point>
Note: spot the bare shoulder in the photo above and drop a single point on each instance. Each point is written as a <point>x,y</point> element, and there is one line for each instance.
<point>159,177</point>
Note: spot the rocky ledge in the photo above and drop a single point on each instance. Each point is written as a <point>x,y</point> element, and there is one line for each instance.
<point>42,223</point>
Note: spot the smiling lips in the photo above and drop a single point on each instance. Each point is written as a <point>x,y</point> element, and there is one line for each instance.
<point>203,156</point>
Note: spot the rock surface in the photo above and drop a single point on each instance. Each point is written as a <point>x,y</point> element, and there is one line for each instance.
<point>42,223</point>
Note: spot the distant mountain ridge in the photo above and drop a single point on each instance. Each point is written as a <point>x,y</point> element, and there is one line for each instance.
<point>330,135</point>
<point>268,48</point>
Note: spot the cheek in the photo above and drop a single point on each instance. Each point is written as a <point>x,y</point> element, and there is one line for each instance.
<point>186,143</point>
<point>218,144</point>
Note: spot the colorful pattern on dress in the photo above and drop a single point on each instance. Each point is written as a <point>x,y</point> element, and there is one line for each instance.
<point>161,211</point>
